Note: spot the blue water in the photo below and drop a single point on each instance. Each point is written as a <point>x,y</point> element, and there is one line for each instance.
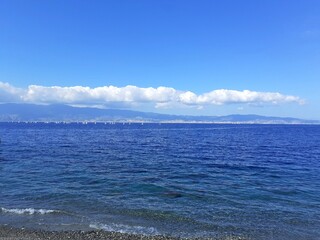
<point>189,180</point>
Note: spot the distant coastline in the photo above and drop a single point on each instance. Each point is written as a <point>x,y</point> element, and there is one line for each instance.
<point>12,112</point>
<point>155,122</point>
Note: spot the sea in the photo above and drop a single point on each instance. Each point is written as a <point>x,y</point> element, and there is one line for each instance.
<point>253,181</point>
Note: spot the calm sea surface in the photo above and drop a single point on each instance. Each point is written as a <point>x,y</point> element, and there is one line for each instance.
<point>189,180</point>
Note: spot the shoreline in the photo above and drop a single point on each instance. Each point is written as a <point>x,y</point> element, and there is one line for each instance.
<point>14,233</point>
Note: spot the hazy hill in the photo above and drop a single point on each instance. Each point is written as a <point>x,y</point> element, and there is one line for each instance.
<point>57,112</point>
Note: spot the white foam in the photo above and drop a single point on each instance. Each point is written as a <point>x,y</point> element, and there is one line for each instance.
<point>29,211</point>
<point>121,228</point>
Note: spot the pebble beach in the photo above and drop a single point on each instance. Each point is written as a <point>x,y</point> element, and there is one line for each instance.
<point>10,233</point>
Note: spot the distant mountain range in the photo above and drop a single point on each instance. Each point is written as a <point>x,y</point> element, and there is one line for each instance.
<point>52,113</point>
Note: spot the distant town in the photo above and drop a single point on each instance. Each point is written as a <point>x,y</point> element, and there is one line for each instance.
<point>32,113</point>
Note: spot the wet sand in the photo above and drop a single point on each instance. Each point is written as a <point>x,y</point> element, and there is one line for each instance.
<point>10,233</point>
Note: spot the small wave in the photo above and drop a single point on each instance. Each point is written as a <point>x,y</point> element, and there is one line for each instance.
<point>28,211</point>
<point>121,228</point>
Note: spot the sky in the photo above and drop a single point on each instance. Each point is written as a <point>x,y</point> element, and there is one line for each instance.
<point>196,57</point>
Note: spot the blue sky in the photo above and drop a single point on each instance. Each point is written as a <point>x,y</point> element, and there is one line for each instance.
<point>204,54</point>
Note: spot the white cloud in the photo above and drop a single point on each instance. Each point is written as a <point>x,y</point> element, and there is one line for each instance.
<point>79,94</point>
<point>161,97</point>
<point>224,96</point>
<point>9,93</point>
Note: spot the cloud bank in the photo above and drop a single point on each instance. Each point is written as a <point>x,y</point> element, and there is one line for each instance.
<point>133,95</point>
